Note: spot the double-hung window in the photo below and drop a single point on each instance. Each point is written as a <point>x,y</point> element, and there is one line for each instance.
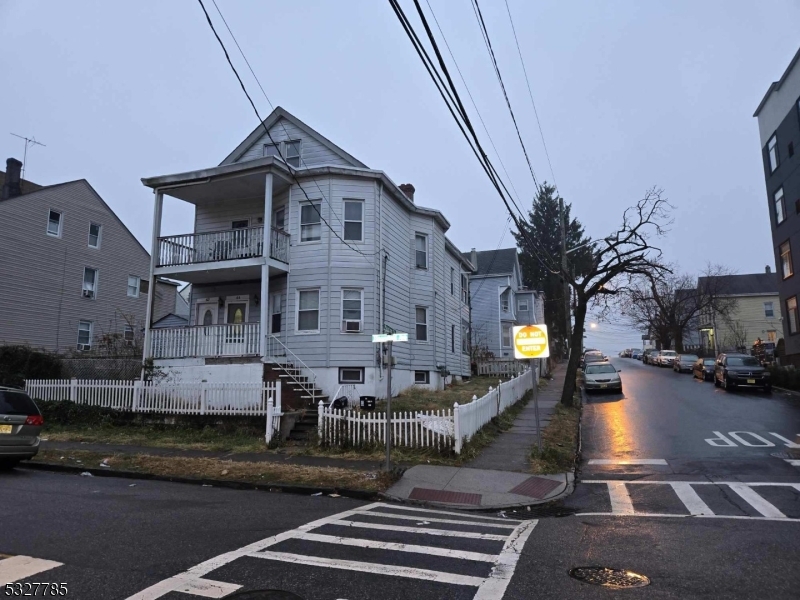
<point>464,289</point>
<point>780,207</point>
<point>791,312</point>
<point>94,235</point>
<point>452,338</point>
<point>522,304</point>
<point>291,152</point>
<point>421,250</point>
<point>506,335</point>
<point>354,220</point>
<point>308,310</point>
<point>271,150</point>
<point>54,220</point>
<point>84,335</point>
<point>89,283</point>
<point>422,324</point>
<point>352,310</point>
<point>452,281</point>
<point>310,221</point>
<point>464,337</point>
<point>504,300</point>
<point>134,285</point>
<point>768,311</point>
<point>128,335</point>
<point>772,152</point>
<point>786,259</point>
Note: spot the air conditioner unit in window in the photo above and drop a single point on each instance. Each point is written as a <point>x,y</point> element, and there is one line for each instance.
<point>351,326</point>
<point>84,347</point>
<point>88,293</point>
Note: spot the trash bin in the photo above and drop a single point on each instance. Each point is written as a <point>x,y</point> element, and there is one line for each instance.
<point>367,402</point>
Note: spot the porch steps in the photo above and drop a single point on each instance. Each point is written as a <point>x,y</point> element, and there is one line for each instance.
<point>305,429</point>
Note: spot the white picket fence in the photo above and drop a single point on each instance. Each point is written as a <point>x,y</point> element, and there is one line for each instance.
<point>437,429</point>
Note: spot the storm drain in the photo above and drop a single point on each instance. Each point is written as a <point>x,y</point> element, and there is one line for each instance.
<point>613,578</point>
<point>786,455</point>
<point>266,595</point>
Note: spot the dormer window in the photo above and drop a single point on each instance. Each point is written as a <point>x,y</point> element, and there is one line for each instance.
<point>505,298</point>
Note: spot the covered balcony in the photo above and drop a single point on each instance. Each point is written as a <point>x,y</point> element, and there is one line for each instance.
<point>223,245</point>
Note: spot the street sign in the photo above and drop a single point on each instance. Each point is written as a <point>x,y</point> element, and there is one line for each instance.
<point>382,338</point>
<point>645,336</point>
<point>530,341</point>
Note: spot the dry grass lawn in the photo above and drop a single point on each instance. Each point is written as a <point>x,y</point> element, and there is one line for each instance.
<point>559,441</point>
<point>210,468</point>
<point>415,399</point>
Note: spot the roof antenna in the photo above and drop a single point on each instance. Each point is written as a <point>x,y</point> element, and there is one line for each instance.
<point>28,142</point>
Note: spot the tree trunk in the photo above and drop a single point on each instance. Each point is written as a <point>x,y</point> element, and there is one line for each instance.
<point>574,353</point>
<point>678,341</point>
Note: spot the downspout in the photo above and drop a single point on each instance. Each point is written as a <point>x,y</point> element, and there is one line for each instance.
<point>328,322</point>
<point>380,296</point>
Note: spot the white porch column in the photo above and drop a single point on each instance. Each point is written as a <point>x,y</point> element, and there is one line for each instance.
<point>151,294</point>
<point>264,305</point>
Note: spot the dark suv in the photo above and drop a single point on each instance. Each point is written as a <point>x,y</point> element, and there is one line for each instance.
<point>734,370</point>
<point>20,425</point>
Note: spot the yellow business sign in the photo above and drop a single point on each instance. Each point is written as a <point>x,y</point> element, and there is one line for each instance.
<point>530,341</point>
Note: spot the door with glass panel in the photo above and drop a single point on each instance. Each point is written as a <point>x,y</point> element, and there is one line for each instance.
<point>235,333</point>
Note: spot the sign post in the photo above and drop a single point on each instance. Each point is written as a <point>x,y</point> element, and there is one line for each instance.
<point>530,342</point>
<point>388,339</point>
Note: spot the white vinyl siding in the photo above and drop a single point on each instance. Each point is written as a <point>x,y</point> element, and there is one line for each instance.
<point>422,324</point>
<point>310,221</point>
<point>54,221</point>
<point>308,311</point>
<point>134,284</point>
<point>90,282</point>
<point>313,152</point>
<point>354,220</point>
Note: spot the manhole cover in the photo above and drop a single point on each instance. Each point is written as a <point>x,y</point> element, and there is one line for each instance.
<point>613,578</point>
<point>266,595</point>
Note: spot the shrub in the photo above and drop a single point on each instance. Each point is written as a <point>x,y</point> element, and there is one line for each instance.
<point>18,363</point>
<point>785,377</point>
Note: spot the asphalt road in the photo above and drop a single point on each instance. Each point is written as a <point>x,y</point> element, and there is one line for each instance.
<point>705,521</point>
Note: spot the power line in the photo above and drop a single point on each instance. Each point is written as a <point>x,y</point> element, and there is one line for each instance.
<point>530,93</point>
<point>277,147</point>
<point>457,107</point>
<point>477,9</point>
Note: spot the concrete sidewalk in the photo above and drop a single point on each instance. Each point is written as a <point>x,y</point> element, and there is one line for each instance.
<point>499,477</point>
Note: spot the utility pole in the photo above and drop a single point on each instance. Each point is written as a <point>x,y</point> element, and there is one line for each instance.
<point>389,408</point>
<point>564,270</point>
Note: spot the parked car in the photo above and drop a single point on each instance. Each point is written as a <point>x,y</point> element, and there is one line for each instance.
<point>741,370</point>
<point>636,354</point>
<point>583,356</point>
<point>703,368</point>
<point>666,358</point>
<point>684,362</point>
<point>601,376</point>
<point>591,357</point>
<point>650,357</point>
<point>20,425</point>
<point>625,353</point>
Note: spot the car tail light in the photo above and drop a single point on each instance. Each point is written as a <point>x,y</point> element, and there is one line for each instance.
<point>37,420</point>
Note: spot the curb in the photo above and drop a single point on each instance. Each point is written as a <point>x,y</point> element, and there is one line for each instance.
<point>786,391</point>
<point>568,489</point>
<point>220,483</point>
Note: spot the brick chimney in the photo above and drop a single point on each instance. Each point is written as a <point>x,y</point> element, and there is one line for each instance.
<point>473,258</point>
<point>12,187</point>
<point>408,190</point>
<point>767,269</point>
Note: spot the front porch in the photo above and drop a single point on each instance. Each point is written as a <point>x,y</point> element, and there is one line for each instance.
<point>207,341</point>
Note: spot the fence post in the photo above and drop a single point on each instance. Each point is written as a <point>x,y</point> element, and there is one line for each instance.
<point>278,405</point>
<point>456,429</point>
<point>137,389</point>
<point>500,382</point>
<point>320,418</point>
<point>73,390</point>
<point>203,390</point>
<point>269,432</point>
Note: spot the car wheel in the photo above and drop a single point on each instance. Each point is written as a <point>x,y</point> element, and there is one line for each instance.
<point>8,464</point>
<point>716,382</point>
<point>767,389</point>
<point>729,387</point>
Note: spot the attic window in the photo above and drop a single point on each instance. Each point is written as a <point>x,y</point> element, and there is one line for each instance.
<point>289,151</point>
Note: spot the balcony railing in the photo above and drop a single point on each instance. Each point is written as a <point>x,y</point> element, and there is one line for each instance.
<point>206,341</point>
<point>230,244</point>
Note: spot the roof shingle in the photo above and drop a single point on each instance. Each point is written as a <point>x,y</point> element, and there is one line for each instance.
<point>494,262</point>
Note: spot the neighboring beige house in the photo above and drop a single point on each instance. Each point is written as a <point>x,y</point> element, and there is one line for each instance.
<point>755,313</point>
<point>71,272</point>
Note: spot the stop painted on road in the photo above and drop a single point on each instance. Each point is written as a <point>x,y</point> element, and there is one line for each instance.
<point>748,438</point>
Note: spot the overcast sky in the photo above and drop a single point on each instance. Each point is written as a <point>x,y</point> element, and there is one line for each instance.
<point>630,94</point>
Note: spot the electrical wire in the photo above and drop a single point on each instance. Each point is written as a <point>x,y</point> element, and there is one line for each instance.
<point>280,154</point>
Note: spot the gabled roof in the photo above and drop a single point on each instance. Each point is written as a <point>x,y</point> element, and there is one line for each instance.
<point>776,85</point>
<point>276,115</point>
<point>494,262</point>
<point>743,285</point>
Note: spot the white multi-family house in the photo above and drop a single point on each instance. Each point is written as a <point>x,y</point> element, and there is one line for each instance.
<point>300,252</point>
<point>499,301</point>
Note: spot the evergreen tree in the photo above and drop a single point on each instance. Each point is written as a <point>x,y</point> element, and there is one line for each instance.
<point>543,227</point>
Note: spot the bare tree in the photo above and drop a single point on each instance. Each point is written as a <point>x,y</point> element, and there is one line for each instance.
<point>479,347</point>
<point>669,304</point>
<point>736,336</point>
<point>616,263</point>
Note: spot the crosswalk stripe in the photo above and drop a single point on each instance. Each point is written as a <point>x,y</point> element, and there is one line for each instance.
<point>379,569</point>
<point>495,585</point>
<point>651,482</point>
<point>438,512</point>
<point>752,497</point>
<point>364,543</point>
<point>15,568</point>
<point>423,530</point>
<point>621,503</point>
<point>793,461</point>
<point>435,520</point>
<point>690,499</point>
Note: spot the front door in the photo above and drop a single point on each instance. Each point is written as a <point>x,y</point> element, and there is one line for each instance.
<point>206,313</point>
<point>235,318</point>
